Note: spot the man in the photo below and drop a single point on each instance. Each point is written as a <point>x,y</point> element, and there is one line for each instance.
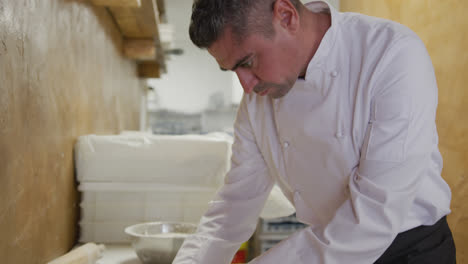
<point>339,111</point>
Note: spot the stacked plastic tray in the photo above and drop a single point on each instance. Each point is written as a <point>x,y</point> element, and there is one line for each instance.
<point>133,178</point>
<point>272,231</point>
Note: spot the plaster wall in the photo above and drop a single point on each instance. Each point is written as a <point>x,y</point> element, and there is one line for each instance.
<point>193,81</point>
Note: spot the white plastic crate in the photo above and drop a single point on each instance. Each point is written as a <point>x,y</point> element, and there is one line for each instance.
<point>138,192</point>
<point>107,208</point>
<point>266,244</point>
<point>191,160</point>
<point>104,232</point>
<point>282,225</point>
<point>263,243</point>
<point>140,201</point>
<point>143,213</point>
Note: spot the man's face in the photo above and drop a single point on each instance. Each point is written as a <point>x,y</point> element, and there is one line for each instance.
<point>263,65</point>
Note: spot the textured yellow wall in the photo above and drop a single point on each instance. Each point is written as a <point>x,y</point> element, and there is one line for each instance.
<point>61,76</point>
<point>443,26</point>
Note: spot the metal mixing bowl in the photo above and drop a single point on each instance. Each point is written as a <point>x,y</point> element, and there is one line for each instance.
<point>158,242</point>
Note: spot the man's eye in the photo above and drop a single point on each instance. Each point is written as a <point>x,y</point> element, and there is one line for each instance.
<point>247,64</point>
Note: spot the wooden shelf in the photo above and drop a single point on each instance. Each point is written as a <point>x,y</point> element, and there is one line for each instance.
<point>138,22</point>
<point>149,70</point>
<point>140,49</point>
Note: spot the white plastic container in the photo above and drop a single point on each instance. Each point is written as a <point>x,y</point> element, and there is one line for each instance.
<point>280,226</point>
<point>191,160</point>
<point>104,232</point>
<point>107,208</point>
<point>102,212</point>
<point>266,243</point>
<point>135,177</point>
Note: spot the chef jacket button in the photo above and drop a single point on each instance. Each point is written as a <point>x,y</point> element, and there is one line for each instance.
<point>275,103</point>
<point>286,144</point>
<point>334,73</point>
<point>339,134</point>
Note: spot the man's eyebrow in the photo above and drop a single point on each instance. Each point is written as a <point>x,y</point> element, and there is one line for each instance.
<point>239,62</point>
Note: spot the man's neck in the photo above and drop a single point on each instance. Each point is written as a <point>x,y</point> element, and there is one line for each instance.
<point>315,26</point>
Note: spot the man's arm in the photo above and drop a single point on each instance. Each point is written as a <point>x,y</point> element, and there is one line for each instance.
<point>394,158</point>
<point>233,214</point>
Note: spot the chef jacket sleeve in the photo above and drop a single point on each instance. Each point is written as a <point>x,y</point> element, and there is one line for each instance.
<point>232,216</point>
<point>394,156</point>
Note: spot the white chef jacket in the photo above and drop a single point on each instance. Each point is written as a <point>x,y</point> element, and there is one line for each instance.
<point>353,146</point>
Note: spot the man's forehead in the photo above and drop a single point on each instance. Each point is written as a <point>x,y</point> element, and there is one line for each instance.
<point>227,50</point>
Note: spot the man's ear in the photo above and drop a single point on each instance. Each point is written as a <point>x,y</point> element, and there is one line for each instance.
<point>286,15</point>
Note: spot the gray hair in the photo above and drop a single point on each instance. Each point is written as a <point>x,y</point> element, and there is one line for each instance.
<point>211,17</point>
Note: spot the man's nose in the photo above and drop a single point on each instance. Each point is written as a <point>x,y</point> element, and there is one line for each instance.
<point>247,79</point>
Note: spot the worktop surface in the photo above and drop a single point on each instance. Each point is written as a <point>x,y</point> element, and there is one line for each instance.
<point>119,254</point>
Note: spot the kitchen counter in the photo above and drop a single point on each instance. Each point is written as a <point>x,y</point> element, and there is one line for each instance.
<point>119,254</point>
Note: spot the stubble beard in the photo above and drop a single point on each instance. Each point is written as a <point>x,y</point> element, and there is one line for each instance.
<point>278,89</point>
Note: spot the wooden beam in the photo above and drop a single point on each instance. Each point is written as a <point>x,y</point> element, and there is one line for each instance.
<point>149,70</point>
<point>140,49</point>
<point>136,22</point>
<point>117,3</point>
<point>162,11</point>
<point>141,23</point>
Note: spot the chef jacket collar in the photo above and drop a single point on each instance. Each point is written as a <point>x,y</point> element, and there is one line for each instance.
<point>328,39</point>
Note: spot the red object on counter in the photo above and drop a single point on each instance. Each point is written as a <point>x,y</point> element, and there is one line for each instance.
<point>241,255</point>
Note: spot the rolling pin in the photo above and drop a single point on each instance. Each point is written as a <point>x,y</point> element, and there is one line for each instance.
<point>88,253</point>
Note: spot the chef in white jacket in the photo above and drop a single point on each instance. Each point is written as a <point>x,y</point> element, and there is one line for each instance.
<point>339,111</point>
